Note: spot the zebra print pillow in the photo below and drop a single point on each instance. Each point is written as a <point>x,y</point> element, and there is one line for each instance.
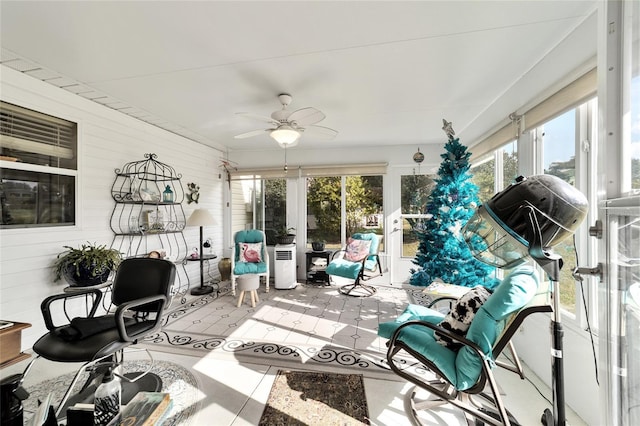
<point>460,316</point>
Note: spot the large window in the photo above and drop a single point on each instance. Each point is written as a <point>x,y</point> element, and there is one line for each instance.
<point>38,173</point>
<point>275,208</point>
<point>324,207</point>
<point>559,159</point>
<point>495,171</point>
<point>338,207</point>
<point>259,203</point>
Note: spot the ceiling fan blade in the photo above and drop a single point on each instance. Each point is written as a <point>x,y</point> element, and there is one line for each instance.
<point>306,116</point>
<point>258,117</point>
<point>321,132</point>
<point>251,134</point>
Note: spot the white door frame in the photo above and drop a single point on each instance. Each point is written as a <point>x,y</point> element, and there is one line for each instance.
<point>399,267</point>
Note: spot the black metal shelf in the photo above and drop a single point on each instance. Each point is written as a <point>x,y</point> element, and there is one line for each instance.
<point>144,219</point>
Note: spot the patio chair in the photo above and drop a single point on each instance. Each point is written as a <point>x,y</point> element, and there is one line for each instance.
<point>461,375</point>
<point>359,260</point>
<point>249,256</point>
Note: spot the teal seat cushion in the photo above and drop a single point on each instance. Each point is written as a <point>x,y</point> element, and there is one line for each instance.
<point>463,368</point>
<point>422,339</point>
<point>411,312</point>
<point>241,268</point>
<point>344,268</point>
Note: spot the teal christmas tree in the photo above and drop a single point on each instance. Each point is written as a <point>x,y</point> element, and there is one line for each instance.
<point>442,252</point>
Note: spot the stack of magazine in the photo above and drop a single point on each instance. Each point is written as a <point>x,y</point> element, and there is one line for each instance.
<point>145,409</point>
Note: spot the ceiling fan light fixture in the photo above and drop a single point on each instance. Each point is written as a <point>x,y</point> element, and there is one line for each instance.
<point>285,135</point>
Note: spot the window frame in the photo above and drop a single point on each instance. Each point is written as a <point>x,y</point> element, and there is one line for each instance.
<point>55,170</point>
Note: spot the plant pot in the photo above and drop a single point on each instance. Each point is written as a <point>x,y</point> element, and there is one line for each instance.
<point>317,246</point>
<point>288,239</point>
<point>84,278</point>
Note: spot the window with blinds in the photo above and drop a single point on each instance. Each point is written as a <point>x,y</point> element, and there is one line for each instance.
<point>31,137</point>
<point>38,169</point>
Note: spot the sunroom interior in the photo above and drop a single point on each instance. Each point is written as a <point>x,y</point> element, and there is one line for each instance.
<point>528,87</point>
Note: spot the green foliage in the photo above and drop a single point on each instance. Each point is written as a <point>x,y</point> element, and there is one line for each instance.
<point>442,252</point>
<point>323,202</point>
<point>94,258</point>
<point>360,203</point>
<point>283,231</point>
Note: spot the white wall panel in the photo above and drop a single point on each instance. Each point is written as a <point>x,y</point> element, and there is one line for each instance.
<point>107,140</point>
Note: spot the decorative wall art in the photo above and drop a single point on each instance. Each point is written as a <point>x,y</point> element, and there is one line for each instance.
<point>193,195</point>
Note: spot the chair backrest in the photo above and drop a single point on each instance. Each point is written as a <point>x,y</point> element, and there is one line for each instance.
<point>371,261</point>
<point>140,277</point>
<point>517,296</point>
<point>250,236</point>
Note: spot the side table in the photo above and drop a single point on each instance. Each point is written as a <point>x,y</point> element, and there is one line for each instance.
<point>317,262</point>
<point>204,288</point>
<point>10,343</point>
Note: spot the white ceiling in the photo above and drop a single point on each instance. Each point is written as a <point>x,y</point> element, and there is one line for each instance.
<point>384,73</point>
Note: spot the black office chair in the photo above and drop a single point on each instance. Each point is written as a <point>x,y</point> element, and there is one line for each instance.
<point>139,295</point>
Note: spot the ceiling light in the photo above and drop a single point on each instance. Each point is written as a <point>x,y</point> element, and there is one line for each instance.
<point>285,135</point>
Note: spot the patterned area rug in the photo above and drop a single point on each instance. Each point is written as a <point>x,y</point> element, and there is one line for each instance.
<point>356,319</point>
<point>305,398</point>
<point>176,380</point>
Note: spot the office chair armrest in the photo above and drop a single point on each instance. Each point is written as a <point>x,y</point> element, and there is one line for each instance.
<point>45,306</point>
<point>125,307</point>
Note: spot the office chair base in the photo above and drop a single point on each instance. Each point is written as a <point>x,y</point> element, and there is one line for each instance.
<point>357,290</point>
<point>202,290</point>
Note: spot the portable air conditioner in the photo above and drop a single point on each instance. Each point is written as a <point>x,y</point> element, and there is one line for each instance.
<point>285,266</point>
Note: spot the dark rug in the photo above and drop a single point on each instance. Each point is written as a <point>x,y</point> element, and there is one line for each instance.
<point>176,380</point>
<point>312,398</point>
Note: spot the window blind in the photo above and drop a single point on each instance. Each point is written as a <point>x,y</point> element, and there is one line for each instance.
<point>570,96</point>
<point>29,131</point>
<point>312,171</point>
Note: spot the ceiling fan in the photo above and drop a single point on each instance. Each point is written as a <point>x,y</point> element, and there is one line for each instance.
<point>288,126</point>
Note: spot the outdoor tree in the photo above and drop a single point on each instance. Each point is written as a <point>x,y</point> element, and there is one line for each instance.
<point>324,204</point>
<point>442,252</point>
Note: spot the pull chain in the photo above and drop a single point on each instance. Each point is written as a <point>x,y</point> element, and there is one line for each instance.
<point>285,159</point>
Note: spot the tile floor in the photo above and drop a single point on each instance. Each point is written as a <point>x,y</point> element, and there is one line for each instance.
<point>234,389</point>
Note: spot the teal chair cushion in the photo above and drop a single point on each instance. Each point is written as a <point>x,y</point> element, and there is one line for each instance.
<point>241,268</point>
<point>422,339</point>
<point>463,368</point>
<point>371,261</point>
<point>344,268</point>
<point>249,236</point>
<point>511,295</point>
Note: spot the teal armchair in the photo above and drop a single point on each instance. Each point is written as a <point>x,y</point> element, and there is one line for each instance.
<point>249,256</point>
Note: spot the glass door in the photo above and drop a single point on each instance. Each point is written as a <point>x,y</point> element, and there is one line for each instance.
<point>622,298</point>
<point>619,294</point>
<point>410,196</point>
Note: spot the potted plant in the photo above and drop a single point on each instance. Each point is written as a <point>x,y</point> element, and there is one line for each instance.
<point>285,235</point>
<point>87,265</point>
<point>318,245</point>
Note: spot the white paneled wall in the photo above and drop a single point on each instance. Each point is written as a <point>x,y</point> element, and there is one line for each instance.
<point>107,140</point>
